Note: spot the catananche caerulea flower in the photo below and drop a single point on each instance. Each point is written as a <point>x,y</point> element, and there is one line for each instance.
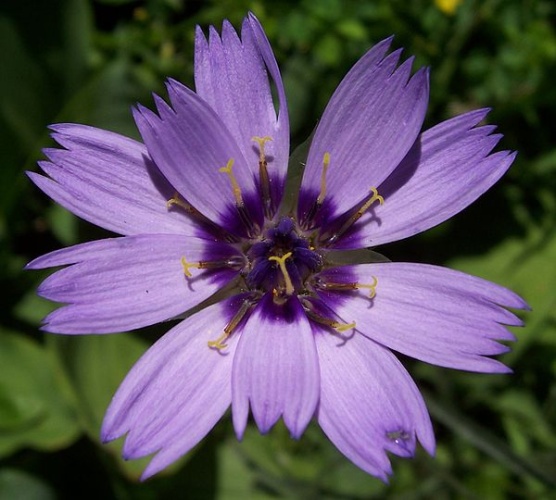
<point>289,329</point>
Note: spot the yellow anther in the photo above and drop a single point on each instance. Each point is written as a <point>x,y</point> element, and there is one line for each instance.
<point>261,141</point>
<point>235,186</point>
<point>343,327</point>
<point>231,326</point>
<point>325,165</point>
<point>282,263</point>
<point>176,200</point>
<point>356,216</point>
<point>218,343</point>
<point>371,200</point>
<point>371,287</point>
<point>188,265</point>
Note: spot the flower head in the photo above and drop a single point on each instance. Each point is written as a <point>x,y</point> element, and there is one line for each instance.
<point>293,321</point>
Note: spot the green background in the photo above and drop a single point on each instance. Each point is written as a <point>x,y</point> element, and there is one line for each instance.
<point>89,61</point>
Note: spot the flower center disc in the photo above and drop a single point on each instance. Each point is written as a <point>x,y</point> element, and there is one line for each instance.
<point>282,261</point>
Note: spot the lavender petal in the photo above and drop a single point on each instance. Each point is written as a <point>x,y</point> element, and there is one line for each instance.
<point>448,168</point>
<point>109,180</point>
<point>434,314</point>
<point>369,125</point>
<point>232,76</point>
<point>119,284</point>
<point>190,144</point>
<point>176,393</point>
<point>369,404</point>
<point>275,368</point>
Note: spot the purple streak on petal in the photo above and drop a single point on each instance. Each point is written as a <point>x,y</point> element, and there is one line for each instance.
<point>176,392</point>
<point>434,314</point>
<point>275,368</point>
<point>447,169</point>
<point>109,180</point>
<point>189,144</point>
<point>368,127</point>
<point>120,284</point>
<point>231,75</point>
<point>369,404</point>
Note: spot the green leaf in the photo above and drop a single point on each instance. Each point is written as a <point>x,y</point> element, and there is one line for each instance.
<point>19,485</point>
<point>524,266</point>
<point>487,442</point>
<point>96,366</point>
<point>35,405</point>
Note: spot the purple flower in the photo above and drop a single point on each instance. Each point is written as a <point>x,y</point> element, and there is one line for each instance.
<point>285,329</point>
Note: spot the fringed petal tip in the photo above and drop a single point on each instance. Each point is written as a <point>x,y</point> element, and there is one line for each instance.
<point>434,314</point>
<point>391,417</point>
<point>176,393</point>
<point>381,97</point>
<point>275,375</point>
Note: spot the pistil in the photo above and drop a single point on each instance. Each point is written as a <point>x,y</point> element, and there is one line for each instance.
<point>287,279</point>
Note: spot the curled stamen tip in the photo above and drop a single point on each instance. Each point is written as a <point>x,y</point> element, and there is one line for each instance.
<point>376,196</point>
<point>261,140</point>
<point>174,200</point>
<point>326,158</point>
<point>371,287</point>
<point>216,344</point>
<point>228,168</point>
<point>187,265</point>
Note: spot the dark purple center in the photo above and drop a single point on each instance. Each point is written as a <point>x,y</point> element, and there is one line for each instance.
<point>265,273</point>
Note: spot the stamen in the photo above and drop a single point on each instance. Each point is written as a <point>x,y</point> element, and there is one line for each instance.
<point>231,326</point>
<point>371,287</point>
<point>282,263</point>
<point>342,327</point>
<point>326,285</point>
<point>233,262</point>
<point>325,165</point>
<point>357,215</point>
<point>178,202</point>
<point>262,141</point>
<point>188,265</point>
<point>308,220</point>
<point>336,325</point>
<point>263,175</point>
<point>370,201</point>
<point>235,186</point>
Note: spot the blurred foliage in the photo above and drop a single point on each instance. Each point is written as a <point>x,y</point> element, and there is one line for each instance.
<point>89,61</point>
